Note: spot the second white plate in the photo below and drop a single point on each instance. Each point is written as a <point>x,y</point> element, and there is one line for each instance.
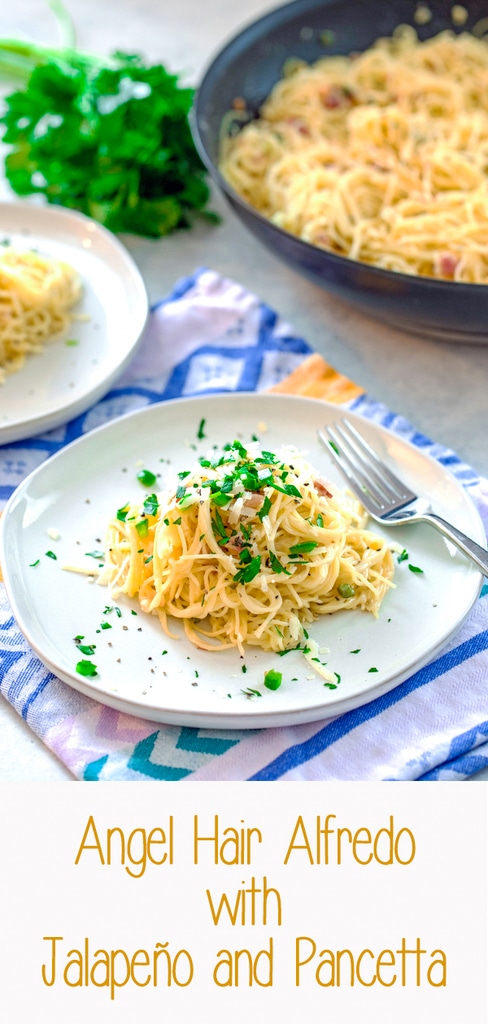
<point>142,671</point>
<point>64,380</point>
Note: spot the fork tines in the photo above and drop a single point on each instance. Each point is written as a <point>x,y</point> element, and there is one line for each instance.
<point>363,468</point>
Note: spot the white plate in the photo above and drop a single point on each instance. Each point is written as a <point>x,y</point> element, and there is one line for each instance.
<point>63,381</point>
<point>78,490</point>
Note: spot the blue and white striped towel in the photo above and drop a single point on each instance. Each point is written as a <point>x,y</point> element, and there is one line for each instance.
<point>211,335</point>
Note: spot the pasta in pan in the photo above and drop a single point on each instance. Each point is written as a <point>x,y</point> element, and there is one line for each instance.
<point>381,157</point>
<point>36,296</point>
<point>245,548</point>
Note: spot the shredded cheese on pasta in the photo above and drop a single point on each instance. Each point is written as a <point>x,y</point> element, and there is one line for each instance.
<point>246,547</point>
<point>36,296</point>
<point>381,157</point>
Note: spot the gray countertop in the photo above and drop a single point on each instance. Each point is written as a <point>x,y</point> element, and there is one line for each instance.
<point>442,388</point>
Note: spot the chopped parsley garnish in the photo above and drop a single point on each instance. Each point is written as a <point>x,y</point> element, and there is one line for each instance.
<point>94,554</point>
<point>122,512</point>
<point>403,556</point>
<point>251,693</point>
<point>287,489</point>
<point>32,564</point>
<point>273,679</point>
<point>265,508</point>
<point>86,648</point>
<point>50,554</point>
<point>218,527</point>
<point>86,668</point>
<point>356,651</point>
<point>245,556</point>
<point>180,492</point>
<point>201,430</point>
<point>276,564</point>
<point>251,480</point>
<point>105,625</point>
<point>151,505</point>
<point>112,608</point>
<point>220,499</point>
<point>184,474</point>
<point>304,548</point>
<point>248,572</point>
<point>146,477</point>
<point>305,650</point>
<point>142,528</point>
<point>334,447</point>
<point>372,669</point>
<point>414,568</point>
<point>320,521</point>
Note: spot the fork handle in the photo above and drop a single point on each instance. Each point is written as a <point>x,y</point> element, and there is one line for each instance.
<point>469,547</point>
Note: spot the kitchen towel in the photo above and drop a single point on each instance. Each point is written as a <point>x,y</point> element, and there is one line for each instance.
<point>211,335</point>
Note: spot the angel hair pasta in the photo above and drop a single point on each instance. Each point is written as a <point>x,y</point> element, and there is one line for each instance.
<point>36,296</point>
<point>381,157</point>
<point>245,547</point>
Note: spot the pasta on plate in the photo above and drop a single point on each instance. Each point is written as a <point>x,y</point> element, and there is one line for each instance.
<point>245,548</point>
<point>36,296</point>
<point>381,157</point>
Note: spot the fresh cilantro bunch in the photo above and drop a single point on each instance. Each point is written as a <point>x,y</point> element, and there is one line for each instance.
<point>110,138</point>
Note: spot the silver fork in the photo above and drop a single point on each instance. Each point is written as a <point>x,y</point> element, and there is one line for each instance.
<point>383,495</point>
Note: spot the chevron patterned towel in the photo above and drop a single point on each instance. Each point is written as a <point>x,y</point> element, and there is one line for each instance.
<point>212,335</point>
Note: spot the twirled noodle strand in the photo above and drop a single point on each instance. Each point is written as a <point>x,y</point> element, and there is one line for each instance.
<point>381,157</point>
<point>252,545</point>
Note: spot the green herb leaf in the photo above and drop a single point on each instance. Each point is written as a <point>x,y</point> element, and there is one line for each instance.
<point>86,668</point>
<point>265,507</point>
<point>287,489</point>
<point>50,554</point>
<point>248,572</point>
<point>414,568</point>
<point>403,556</point>
<point>201,430</point>
<point>298,549</point>
<point>142,528</point>
<point>151,505</point>
<point>107,136</point>
<point>276,564</point>
<point>220,499</point>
